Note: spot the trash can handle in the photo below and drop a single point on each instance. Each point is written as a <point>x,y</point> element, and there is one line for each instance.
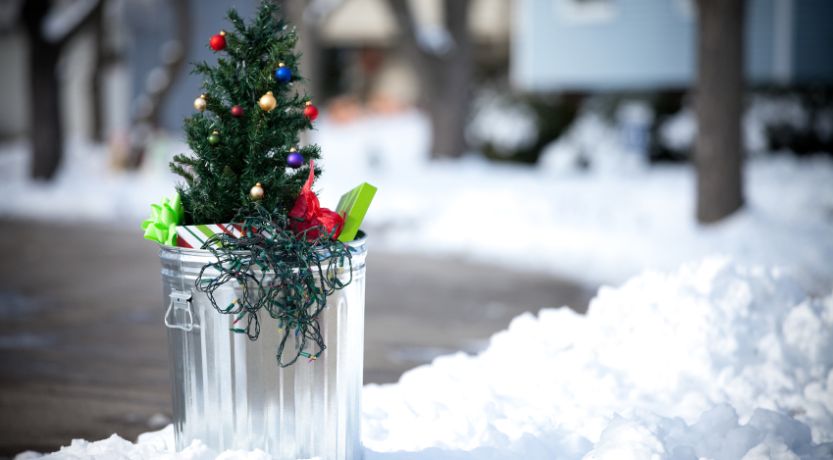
<point>180,300</point>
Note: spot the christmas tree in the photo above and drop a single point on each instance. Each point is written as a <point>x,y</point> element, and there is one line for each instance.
<point>247,193</point>
<point>245,134</point>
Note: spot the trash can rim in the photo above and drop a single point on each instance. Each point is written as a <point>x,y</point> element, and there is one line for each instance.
<point>357,246</point>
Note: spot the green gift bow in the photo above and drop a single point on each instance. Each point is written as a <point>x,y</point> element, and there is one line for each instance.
<point>164,217</point>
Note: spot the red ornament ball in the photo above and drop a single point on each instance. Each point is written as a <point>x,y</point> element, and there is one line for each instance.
<point>310,111</point>
<point>236,111</point>
<point>218,41</point>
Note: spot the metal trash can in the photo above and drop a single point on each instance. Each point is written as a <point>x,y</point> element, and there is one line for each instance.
<point>230,392</point>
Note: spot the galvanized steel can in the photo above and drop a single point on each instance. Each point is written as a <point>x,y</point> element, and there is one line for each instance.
<point>230,393</point>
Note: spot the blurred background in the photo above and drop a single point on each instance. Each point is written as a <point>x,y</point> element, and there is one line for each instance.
<point>526,153</point>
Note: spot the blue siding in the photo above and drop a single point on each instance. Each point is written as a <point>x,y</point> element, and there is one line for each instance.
<point>760,40</point>
<point>813,41</point>
<point>645,44</point>
<point>652,43</point>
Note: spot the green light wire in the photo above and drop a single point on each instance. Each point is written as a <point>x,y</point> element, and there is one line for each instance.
<point>284,274</point>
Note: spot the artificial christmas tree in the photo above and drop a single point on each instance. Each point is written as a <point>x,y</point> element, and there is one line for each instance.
<point>264,288</point>
<point>251,120</point>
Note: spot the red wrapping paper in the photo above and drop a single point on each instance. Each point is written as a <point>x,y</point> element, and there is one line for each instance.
<point>308,216</point>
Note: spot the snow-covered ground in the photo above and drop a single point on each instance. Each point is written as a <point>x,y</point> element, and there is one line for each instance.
<point>715,360</point>
<point>700,359</point>
<point>728,357</point>
<point>599,226</point>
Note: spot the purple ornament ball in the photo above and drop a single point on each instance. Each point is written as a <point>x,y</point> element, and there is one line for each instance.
<point>295,160</point>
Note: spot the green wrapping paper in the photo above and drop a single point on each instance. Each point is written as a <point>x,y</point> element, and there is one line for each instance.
<point>353,206</point>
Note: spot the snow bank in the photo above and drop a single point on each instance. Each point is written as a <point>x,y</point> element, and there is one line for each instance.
<point>715,360</point>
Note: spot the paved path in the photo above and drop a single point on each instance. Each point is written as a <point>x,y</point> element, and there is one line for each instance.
<point>83,351</point>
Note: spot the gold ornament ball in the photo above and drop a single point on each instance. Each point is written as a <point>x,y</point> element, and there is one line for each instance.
<point>200,103</point>
<point>267,102</point>
<point>257,192</point>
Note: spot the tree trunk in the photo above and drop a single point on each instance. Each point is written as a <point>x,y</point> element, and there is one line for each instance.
<point>449,112</point>
<point>45,128</point>
<point>445,76</point>
<point>100,63</point>
<point>447,103</point>
<point>45,133</point>
<point>718,147</point>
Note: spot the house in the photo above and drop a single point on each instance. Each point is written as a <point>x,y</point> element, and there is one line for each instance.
<point>353,33</point>
<point>364,34</point>
<point>595,45</point>
<point>144,33</point>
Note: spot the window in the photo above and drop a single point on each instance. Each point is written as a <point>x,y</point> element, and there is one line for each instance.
<point>585,11</point>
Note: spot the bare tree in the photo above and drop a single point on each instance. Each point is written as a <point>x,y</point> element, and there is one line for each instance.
<point>101,60</point>
<point>48,33</point>
<point>444,65</point>
<point>160,81</point>
<point>719,93</point>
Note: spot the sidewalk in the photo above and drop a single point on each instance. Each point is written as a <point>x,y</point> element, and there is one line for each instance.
<point>84,352</point>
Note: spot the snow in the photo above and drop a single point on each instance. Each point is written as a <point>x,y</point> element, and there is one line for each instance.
<point>726,357</point>
<point>157,445</point>
<point>501,122</point>
<point>66,17</point>
<point>763,112</point>
<point>591,139</point>
<point>678,132</point>
<point>86,189</point>
<point>715,359</point>
<point>433,39</point>
<point>598,226</point>
<point>663,351</point>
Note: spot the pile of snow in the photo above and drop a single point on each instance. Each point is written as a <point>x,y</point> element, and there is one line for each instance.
<point>679,131</point>
<point>598,226</point>
<point>592,142</point>
<point>715,360</point>
<point>157,445</point>
<point>502,122</point>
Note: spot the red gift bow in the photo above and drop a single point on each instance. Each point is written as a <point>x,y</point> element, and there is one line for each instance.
<point>308,216</point>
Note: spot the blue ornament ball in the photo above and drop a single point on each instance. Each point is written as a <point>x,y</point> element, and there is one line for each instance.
<point>295,160</point>
<point>283,74</point>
